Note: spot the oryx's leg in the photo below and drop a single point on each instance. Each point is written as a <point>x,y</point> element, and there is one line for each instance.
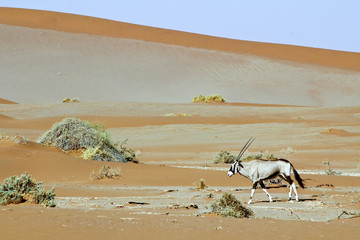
<point>292,187</point>
<point>264,189</point>
<point>296,194</point>
<point>252,192</point>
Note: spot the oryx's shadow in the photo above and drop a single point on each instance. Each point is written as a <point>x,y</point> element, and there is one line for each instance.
<point>276,200</point>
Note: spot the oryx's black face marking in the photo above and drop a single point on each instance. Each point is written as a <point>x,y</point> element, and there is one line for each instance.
<point>235,166</point>
<point>233,169</point>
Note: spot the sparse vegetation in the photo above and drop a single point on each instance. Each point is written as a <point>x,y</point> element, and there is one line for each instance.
<point>3,136</point>
<point>215,98</point>
<point>199,99</point>
<point>335,131</point>
<point>127,153</point>
<point>229,206</point>
<point>70,100</point>
<point>17,139</point>
<point>105,172</point>
<point>266,156</point>
<point>24,189</point>
<point>224,157</point>
<point>74,134</point>
<point>288,150</point>
<point>329,170</point>
<point>180,115</point>
<point>200,185</point>
<point>20,140</point>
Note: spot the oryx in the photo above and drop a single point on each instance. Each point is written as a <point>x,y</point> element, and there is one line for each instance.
<point>259,170</point>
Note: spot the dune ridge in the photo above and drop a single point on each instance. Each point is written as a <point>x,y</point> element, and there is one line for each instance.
<point>5,101</point>
<point>127,85</point>
<point>73,65</point>
<point>97,26</point>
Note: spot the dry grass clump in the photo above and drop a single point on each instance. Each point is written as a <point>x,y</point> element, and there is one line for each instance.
<point>224,157</point>
<point>17,139</point>
<point>105,172</point>
<point>200,185</point>
<point>70,100</point>
<point>24,189</point>
<point>329,170</point>
<point>126,152</point>
<point>335,131</point>
<point>3,136</point>
<point>215,98</point>
<point>229,206</point>
<point>265,156</point>
<point>288,150</point>
<point>74,134</point>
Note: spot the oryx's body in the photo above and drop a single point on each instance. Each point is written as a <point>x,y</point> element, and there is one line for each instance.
<point>259,170</point>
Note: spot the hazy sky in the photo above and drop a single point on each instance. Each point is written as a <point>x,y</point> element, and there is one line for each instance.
<point>331,24</point>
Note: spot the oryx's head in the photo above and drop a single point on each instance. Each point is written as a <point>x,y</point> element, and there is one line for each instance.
<point>235,167</point>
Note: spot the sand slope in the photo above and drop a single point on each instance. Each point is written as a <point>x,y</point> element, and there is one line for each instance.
<point>105,67</point>
<point>95,26</point>
<point>51,56</point>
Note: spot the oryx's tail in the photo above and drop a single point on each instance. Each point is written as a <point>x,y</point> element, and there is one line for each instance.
<point>297,177</point>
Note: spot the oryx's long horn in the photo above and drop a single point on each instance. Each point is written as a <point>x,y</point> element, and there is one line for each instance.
<point>246,146</point>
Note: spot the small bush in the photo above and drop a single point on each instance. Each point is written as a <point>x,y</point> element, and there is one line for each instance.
<point>3,136</point>
<point>216,98</point>
<point>265,156</point>
<point>229,206</point>
<point>253,157</point>
<point>70,100</point>
<point>74,134</point>
<point>199,99</point>
<point>224,157</point>
<point>329,170</point>
<point>24,189</point>
<point>127,153</point>
<point>105,172</point>
<point>200,185</point>
<point>17,139</point>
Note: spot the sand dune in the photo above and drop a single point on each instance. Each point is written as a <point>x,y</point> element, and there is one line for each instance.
<point>95,26</point>
<point>4,101</point>
<point>98,67</point>
<point>137,81</point>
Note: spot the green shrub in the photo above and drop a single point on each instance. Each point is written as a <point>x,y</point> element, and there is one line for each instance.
<point>229,206</point>
<point>215,98</point>
<point>224,157</point>
<point>74,134</point>
<point>70,100</point>
<point>199,99</point>
<point>24,189</point>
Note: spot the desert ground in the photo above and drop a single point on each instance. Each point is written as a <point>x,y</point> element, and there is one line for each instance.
<point>302,104</point>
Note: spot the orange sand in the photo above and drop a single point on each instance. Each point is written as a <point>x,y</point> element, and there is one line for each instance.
<point>166,142</point>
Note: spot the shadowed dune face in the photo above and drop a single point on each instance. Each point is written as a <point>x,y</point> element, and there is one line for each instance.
<point>97,68</point>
